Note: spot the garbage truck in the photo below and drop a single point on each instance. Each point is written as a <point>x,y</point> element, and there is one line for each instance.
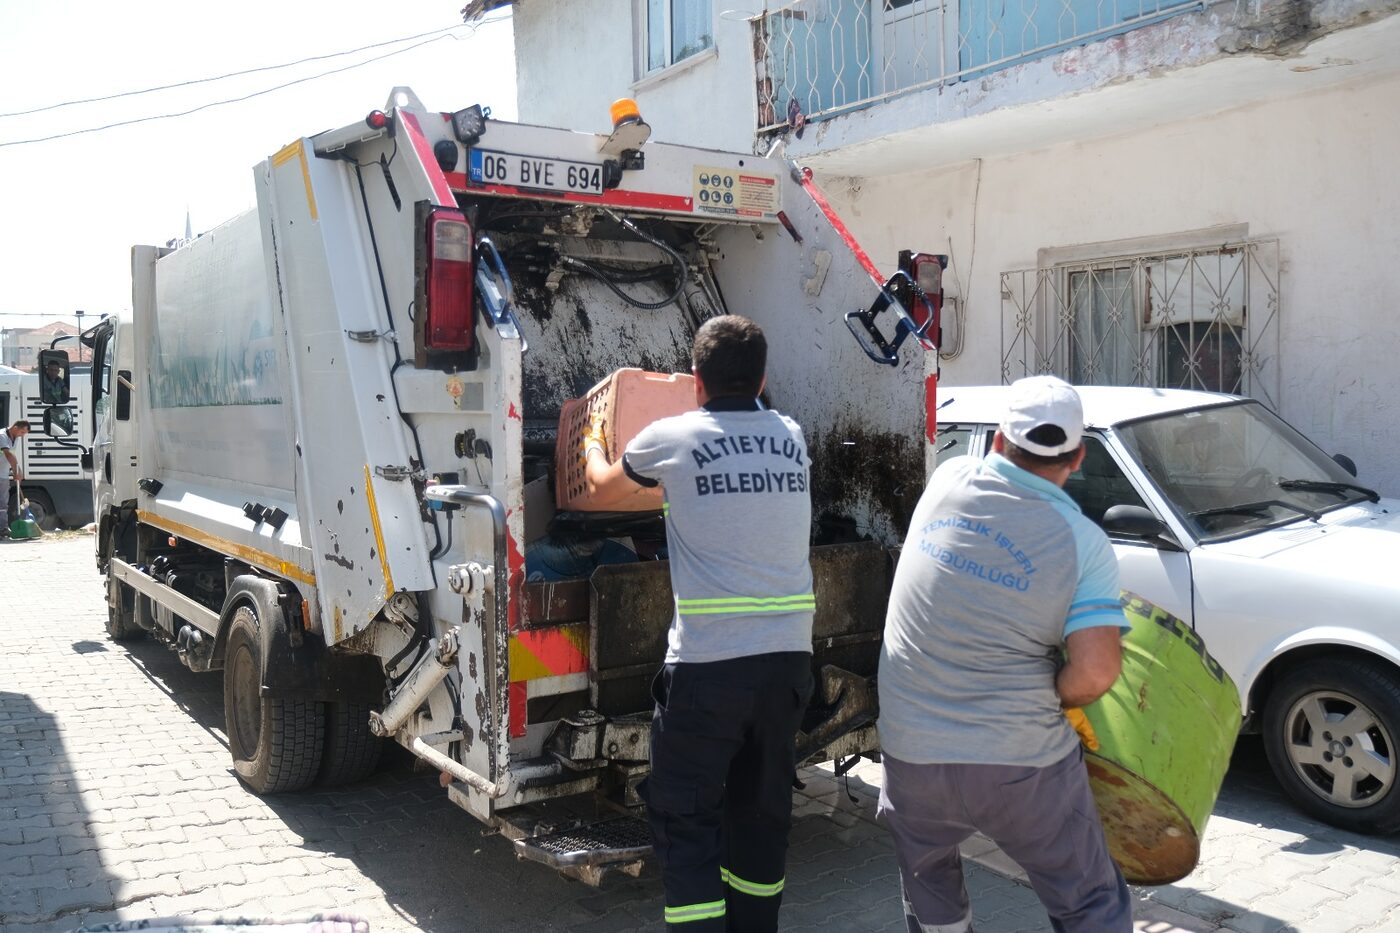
<point>325,452</point>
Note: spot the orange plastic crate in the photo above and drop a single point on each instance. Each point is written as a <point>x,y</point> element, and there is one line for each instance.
<point>629,399</point>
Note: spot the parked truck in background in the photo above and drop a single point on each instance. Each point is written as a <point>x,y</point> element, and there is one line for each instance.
<point>56,483</point>
<point>324,442</point>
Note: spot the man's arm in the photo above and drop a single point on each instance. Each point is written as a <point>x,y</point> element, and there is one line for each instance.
<point>608,483</point>
<point>1095,661</point>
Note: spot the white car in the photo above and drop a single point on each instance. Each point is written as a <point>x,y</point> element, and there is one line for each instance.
<point>1289,570</point>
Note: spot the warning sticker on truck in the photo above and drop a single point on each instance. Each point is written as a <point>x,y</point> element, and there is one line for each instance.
<point>735,192</point>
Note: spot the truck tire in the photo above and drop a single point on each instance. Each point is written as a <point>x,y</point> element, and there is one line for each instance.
<point>352,751</point>
<point>41,507</point>
<point>1331,729</point>
<point>276,743</point>
<point>121,618</point>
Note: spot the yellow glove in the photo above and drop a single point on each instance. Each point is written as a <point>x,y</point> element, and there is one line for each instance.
<point>1081,724</point>
<point>594,437</point>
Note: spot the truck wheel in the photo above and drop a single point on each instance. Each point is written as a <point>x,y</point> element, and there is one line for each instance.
<point>42,509</point>
<point>352,751</point>
<point>1330,731</point>
<point>121,618</point>
<point>276,743</point>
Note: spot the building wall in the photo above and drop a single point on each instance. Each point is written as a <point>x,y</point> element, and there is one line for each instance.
<point>574,59</point>
<point>1315,171</point>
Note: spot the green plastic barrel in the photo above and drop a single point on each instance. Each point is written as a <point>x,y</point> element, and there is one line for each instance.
<point>1166,730</point>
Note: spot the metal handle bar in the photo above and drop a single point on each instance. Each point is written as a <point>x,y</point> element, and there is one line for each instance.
<point>497,293</point>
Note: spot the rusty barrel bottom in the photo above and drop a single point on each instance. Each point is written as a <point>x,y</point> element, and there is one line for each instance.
<point>1149,836</point>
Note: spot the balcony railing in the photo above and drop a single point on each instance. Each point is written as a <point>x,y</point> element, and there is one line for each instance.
<point>826,57</point>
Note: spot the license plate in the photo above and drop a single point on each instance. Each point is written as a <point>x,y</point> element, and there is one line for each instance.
<point>539,173</point>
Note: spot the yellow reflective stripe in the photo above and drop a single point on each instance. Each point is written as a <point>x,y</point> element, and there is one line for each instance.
<point>690,912</point>
<point>665,508</point>
<point>748,612</point>
<point>748,600</point>
<point>251,555</point>
<point>752,887</point>
<point>297,151</point>
<point>745,605</point>
<point>378,534</point>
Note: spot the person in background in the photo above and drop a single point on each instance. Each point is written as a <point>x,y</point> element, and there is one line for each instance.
<point>999,579</point>
<point>9,470</point>
<point>54,391</point>
<point>737,674</point>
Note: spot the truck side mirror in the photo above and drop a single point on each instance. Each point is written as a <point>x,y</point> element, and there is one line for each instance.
<point>58,421</point>
<point>53,377</point>
<point>1134,521</point>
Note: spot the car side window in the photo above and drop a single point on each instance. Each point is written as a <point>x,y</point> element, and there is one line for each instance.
<point>954,440</point>
<point>1099,484</point>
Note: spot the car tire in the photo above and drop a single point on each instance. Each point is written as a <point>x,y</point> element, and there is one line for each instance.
<point>352,751</point>
<point>1331,730</point>
<point>121,618</point>
<point>276,743</point>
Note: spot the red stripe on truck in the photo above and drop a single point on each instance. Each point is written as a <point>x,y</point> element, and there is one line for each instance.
<point>441,190</point>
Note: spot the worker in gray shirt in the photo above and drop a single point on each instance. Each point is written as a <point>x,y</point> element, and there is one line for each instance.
<point>737,673</point>
<point>10,472</point>
<point>999,577</point>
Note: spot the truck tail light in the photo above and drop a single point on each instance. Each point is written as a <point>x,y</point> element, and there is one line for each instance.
<point>446,322</point>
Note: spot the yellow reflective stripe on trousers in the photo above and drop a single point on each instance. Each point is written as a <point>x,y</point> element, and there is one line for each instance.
<point>706,911</point>
<point>746,605</point>
<point>751,887</point>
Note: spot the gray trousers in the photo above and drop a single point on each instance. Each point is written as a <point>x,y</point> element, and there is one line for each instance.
<point>1044,818</point>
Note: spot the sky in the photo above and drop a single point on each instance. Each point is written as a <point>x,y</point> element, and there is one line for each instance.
<point>72,208</point>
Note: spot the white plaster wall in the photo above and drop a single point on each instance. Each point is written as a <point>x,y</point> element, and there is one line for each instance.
<point>574,59</point>
<point>1316,171</point>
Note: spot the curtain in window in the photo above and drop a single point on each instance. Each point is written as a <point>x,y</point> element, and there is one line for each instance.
<point>656,34</point>
<point>691,22</point>
<point>1104,336</point>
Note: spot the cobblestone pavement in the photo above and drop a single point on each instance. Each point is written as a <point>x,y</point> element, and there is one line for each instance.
<point>117,801</point>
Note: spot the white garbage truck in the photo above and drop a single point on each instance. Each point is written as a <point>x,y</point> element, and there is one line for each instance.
<point>325,445</point>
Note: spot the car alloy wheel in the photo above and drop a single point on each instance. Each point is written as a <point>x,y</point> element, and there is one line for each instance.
<point>1340,748</point>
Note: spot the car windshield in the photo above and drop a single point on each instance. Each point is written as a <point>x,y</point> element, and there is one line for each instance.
<point>1233,469</point>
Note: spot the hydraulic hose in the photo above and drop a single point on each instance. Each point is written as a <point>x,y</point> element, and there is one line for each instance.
<point>676,260</point>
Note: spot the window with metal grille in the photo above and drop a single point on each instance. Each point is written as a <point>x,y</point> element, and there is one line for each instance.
<point>675,30</point>
<point>1188,319</point>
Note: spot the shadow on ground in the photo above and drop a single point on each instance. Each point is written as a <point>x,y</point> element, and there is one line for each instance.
<point>43,821</point>
<point>437,866</point>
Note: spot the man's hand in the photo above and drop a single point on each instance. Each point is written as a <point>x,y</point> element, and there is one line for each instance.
<point>594,438</point>
<point>1081,724</point>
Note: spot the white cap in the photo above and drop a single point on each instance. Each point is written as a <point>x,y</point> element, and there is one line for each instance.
<point>1044,402</point>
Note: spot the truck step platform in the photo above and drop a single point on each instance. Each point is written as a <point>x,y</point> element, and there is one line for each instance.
<point>611,841</point>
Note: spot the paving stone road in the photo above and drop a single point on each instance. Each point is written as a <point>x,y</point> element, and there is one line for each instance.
<point>117,801</point>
